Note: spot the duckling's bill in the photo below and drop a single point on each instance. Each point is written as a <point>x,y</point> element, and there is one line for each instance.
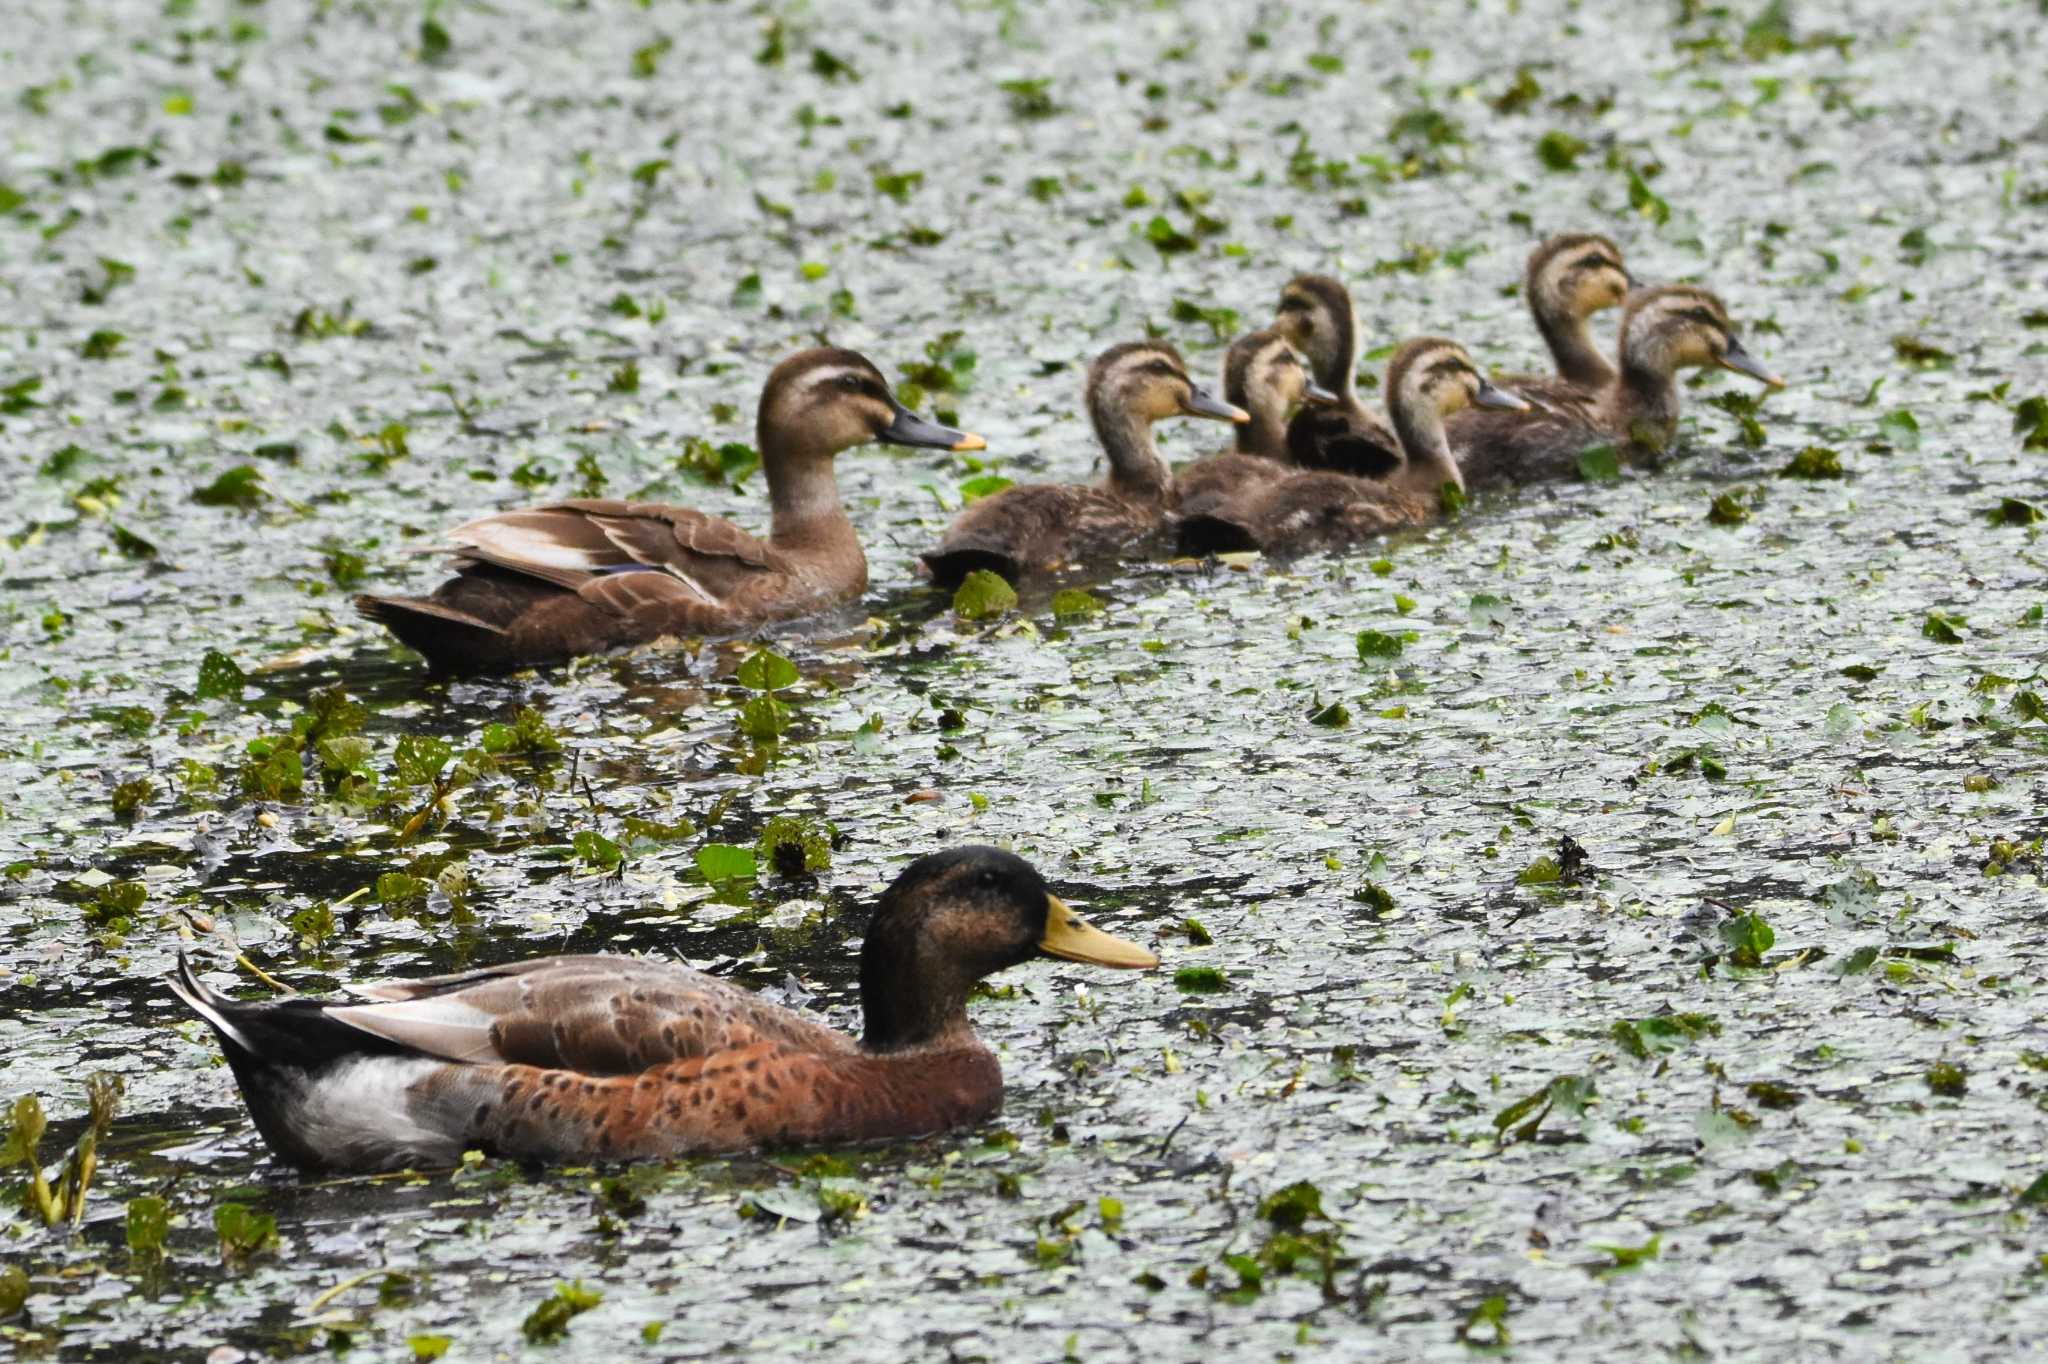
<point>1202,403</point>
<point>1316,394</point>
<point>1491,395</point>
<point>910,429</point>
<point>1068,935</point>
<point>1742,362</point>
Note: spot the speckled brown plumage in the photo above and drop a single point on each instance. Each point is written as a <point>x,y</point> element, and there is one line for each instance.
<point>582,1058</point>
<point>1035,529</point>
<point>1663,330</point>
<point>551,582</point>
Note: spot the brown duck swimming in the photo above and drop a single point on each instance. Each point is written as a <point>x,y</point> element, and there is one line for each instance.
<point>1428,379</point>
<point>551,582</point>
<point>1039,528</point>
<point>1569,279</point>
<point>1663,330</point>
<point>1317,319</point>
<point>1262,375</point>
<point>574,1059</point>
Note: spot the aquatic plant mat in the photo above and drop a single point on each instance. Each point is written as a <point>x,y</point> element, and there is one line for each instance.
<point>1607,925</point>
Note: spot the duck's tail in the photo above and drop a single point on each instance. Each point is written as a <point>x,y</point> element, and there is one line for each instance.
<point>452,640</point>
<point>1214,533</point>
<point>299,1067</point>
<point>950,564</point>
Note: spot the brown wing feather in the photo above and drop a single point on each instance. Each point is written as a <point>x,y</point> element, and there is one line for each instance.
<point>595,1015</point>
<point>568,542</point>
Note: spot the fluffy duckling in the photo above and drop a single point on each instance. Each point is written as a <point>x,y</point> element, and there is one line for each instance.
<point>1428,379</point>
<point>579,1058</point>
<point>1569,279</point>
<point>548,583</point>
<point>1263,375</point>
<point>1038,528</point>
<point>1663,330</point>
<point>1317,319</point>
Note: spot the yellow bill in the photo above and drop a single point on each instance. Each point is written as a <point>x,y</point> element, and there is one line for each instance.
<point>1068,935</point>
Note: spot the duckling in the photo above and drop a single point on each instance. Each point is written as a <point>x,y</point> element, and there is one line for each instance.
<point>1317,318</point>
<point>572,1059</point>
<point>1663,330</point>
<point>547,583</point>
<point>1570,278</point>
<point>1037,528</point>
<point>1428,379</point>
<point>1263,375</point>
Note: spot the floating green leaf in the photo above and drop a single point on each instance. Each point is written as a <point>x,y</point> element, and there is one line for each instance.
<point>1600,464</point>
<point>1374,644</point>
<point>1815,461</point>
<point>725,862</point>
<point>766,670</point>
<point>1747,937</point>
<point>549,1322</point>
<point>983,595</point>
<point>243,1231</point>
<point>1943,627</point>
<point>241,486</point>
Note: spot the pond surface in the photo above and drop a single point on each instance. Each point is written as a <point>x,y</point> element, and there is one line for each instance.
<point>291,288</point>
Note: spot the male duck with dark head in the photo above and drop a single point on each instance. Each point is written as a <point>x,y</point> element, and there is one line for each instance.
<point>575,1059</point>
<point>1664,330</point>
<point>1038,528</point>
<point>1571,278</point>
<point>1262,375</point>
<point>1317,319</point>
<point>551,582</point>
<point>1428,379</point>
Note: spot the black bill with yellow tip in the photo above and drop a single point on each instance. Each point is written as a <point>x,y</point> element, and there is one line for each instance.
<point>911,429</point>
<point>1068,935</point>
<point>1492,395</point>
<point>1742,362</point>
<point>1202,403</point>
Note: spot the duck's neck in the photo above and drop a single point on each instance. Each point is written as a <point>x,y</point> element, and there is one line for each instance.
<point>1646,389</point>
<point>1427,463</point>
<point>1570,338</point>
<point>1135,469</point>
<point>1265,434</point>
<point>911,997</point>
<point>1336,368</point>
<point>805,514</point>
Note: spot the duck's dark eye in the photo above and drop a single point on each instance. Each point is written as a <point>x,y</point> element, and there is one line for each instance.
<point>988,878</point>
<point>1592,263</point>
<point>1294,305</point>
<point>853,383</point>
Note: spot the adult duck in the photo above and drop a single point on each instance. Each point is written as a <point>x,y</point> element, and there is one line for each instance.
<point>548,583</point>
<point>578,1058</point>
<point>1035,529</point>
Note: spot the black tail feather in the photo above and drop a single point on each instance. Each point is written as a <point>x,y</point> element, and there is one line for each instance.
<point>950,567</point>
<point>451,640</point>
